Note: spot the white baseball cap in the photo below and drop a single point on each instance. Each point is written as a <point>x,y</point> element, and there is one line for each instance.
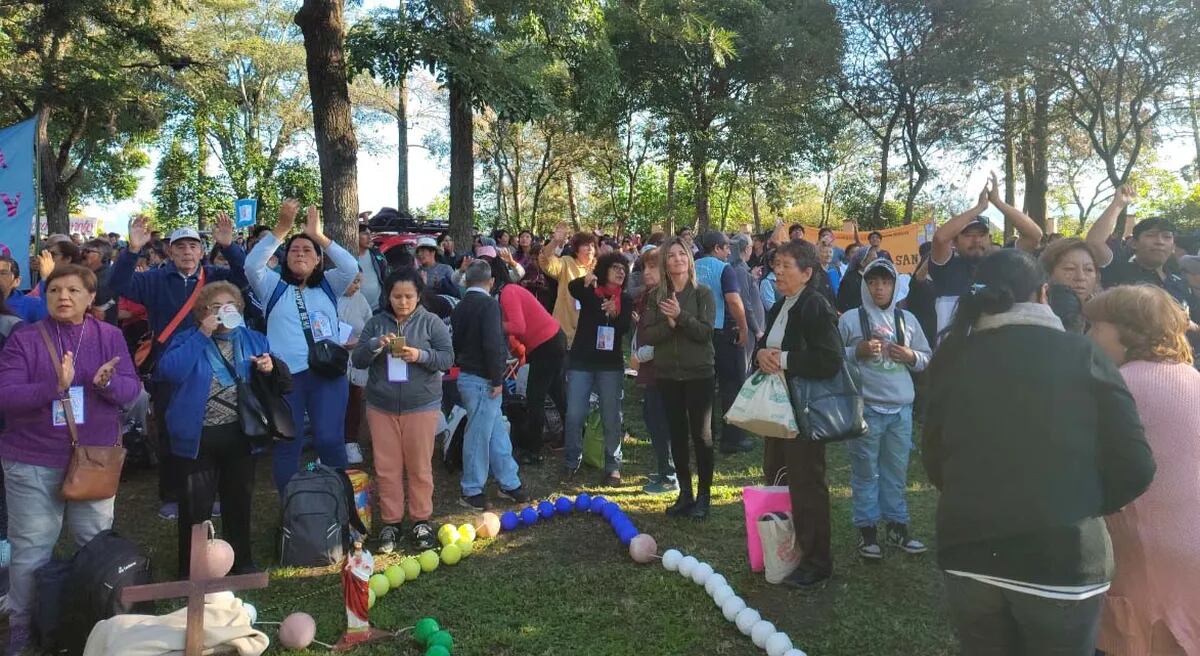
<point>184,233</point>
<point>427,242</point>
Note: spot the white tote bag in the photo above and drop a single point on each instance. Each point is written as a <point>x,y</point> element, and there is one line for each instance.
<point>763,407</point>
<point>778,535</point>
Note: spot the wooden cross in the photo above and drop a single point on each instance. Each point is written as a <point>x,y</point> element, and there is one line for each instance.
<point>197,585</point>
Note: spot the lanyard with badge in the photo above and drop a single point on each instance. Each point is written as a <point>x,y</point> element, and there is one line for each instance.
<point>58,414</point>
<point>397,368</point>
<point>606,335</point>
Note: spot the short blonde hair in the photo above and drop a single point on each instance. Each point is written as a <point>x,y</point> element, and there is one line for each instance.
<point>209,292</point>
<point>1151,325</point>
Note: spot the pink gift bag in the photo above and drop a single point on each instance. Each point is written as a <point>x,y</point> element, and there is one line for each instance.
<point>760,500</point>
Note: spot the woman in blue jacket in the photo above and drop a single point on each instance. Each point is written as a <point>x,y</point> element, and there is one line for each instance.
<point>212,454</point>
<point>304,282</point>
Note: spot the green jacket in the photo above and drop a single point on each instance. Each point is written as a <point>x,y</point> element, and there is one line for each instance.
<point>684,352</point>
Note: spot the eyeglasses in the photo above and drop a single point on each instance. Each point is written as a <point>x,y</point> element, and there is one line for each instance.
<point>6,273</point>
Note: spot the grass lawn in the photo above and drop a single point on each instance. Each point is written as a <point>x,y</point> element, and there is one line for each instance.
<point>568,587</point>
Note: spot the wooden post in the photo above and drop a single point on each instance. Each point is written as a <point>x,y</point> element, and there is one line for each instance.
<point>197,585</point>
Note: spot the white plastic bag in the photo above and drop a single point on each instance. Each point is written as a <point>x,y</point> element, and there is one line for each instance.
<point>780,556</point>
<point>763,407</point>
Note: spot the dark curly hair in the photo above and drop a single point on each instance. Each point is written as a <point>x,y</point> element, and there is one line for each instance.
<point>606,262</point>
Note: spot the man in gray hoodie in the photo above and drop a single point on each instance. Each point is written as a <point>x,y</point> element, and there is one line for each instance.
<point>887,343</point>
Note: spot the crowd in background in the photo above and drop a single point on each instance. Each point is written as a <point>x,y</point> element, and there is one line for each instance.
<point>1047,445</point>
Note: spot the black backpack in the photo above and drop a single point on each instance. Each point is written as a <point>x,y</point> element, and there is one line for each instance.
<point>898,316</point>
<point>73,595</point>
<point>318,513</point>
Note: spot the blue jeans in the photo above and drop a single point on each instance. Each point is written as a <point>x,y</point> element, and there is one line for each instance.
<point>486,445</point>
<point>879,468</point>
<point>654,413</point>
<point>324,400</point>
<point>609,385</point>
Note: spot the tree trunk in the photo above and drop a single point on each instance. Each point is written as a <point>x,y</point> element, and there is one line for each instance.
<point>402,149</point>
<point>571,201</point>
<point>462,164</point>
<point>885,151</point>
<point>700,181</point>
<point>55,195</point>
<point>754,203</point>
<point>1039,135</point>
<point>1194,117</point>
<point>323,25</point>
<point>672,145</point>
<point>1008,137</point>
<point>201,171</point>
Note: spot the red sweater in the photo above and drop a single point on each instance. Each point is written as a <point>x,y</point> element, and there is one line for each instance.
<point>526,319</point>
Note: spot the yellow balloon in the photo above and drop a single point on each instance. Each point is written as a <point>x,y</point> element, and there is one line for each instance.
<point>451,554</point>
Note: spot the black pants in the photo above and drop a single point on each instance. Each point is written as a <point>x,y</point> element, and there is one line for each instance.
<point>224,464</point>
<point>545,378</point>
<point>168,471</point>
<point>731,373</point>
<point>689,416</point>
<point>992,621</point>
<point>809,492</point>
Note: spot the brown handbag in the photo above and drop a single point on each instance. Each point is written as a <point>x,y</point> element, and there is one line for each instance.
<point>94,471</point>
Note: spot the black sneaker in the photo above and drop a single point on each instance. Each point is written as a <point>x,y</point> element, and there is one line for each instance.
<point>868,543</point>
<point>532,458</point>
<point>806,578</point>
<point>897,536</point>
<point>517,495</point>
<point>477,502</point>
<point>612,479</point>
<point>389,535</point>
<point>423,536</point>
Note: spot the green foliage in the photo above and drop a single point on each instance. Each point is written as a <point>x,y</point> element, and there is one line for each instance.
<point>175,188</point>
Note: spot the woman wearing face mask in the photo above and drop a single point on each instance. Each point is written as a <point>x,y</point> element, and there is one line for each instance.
<point>204,364</point>
<point>87,366</point>
<point>405,349</point>
<point>304,288</point>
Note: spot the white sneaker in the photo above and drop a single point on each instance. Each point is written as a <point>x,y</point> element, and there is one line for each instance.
<point>353,454</point>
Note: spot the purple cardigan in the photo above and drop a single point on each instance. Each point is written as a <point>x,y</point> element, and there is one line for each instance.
<point>30,384</point>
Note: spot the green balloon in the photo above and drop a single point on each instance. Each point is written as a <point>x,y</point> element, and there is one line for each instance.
<point>395,576</point>
<point>425,627</point>
<point>412,569</point>
<point>442,638</point>
<point>437,650</point>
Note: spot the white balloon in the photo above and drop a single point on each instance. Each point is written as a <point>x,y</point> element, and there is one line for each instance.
<point>721,594</point>
<point>794,652</point>
<point>670,560</point>
<point>714,583</point>
<point>746,620</point>
<point>732,607</point>
<point>760,632</point>
<point>251,611</point>
<point>688,564</point>
<point>702,573</point>
<point>778,644</point>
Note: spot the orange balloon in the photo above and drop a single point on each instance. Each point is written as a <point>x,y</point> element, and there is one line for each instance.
<point>488,525</point>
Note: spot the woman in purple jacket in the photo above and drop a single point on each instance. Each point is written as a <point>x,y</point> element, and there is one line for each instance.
<point>97,375</point>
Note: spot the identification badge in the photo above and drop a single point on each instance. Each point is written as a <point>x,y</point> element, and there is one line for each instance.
<point>397,370</point>
<point>322,329</point>
<point>578,305</point>
<point>59,414</point>
<point>606,336</point>
<point>345,330</point>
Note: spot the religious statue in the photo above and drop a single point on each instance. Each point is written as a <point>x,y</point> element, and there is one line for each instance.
<point>355,575</point>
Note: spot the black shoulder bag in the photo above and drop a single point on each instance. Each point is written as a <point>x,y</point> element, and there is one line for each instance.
<point>830,409</point>
<point>325,358</point>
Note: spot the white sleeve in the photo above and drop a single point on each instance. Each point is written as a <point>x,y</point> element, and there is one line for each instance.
<point>262,279</point>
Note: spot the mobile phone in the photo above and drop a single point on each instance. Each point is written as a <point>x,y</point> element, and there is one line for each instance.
<point>398,344</point>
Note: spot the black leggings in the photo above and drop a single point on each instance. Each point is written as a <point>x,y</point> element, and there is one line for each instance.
<point>689,415</point>
<point>224,464</point>
<point>545,379</point>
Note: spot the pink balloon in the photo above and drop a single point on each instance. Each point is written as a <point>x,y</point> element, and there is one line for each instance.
<point>297,631</point>
<point>488,525</point>
<point>218,559</point>
<point>643,548</point>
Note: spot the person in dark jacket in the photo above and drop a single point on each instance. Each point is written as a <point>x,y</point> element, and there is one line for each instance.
<point>596,361</point>
<point>164,292</point>
<point>1032,437</point>
<point>802,340</point>
<point>480,350</point>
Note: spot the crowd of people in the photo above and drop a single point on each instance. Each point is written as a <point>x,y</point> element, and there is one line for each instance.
<point>1056,525</point>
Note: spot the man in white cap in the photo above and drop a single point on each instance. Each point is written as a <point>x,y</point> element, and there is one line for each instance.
<point>168,293</point>
<point>438,276</point>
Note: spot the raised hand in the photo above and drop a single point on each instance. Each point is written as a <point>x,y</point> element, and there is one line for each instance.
<point>287,217</point>
<point>223,231</point>
<point>263,363</point>
<point>589,280</point>
<point>66,372</point>
<point>139,233</point>
<point>984,199</point>
<point>560,233</point>
<point>313,228</point>
<point>1125,196</point>
<point>105,373</point>
<point>994,190</point>
<point>45,264</point>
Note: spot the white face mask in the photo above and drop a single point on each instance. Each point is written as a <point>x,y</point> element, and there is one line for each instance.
<point>229,316</point>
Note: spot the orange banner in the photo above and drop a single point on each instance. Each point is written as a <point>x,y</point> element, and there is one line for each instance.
<point>903,243</point>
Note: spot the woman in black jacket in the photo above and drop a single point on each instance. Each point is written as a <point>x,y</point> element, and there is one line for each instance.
<point>1032,438</point>
<point>802,340</point>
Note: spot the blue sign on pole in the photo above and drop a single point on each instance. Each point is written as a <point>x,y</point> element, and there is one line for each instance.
<point>18,199</point>
<point>246,212</point>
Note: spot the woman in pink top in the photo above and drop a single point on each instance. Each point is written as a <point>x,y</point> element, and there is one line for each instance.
<point>1152,607</point>
<point>528,322</point>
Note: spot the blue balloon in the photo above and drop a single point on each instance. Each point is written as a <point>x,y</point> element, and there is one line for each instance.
<point>627,535</point>
<point>529,516</point>
<point>616,517</point>
<point>583,502</point>
<point>597,505</point>
<point>563,505</point>
<point>619,526</point>
<point>611,509</point>
<point>546,509</point>
<point>509,521</point>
